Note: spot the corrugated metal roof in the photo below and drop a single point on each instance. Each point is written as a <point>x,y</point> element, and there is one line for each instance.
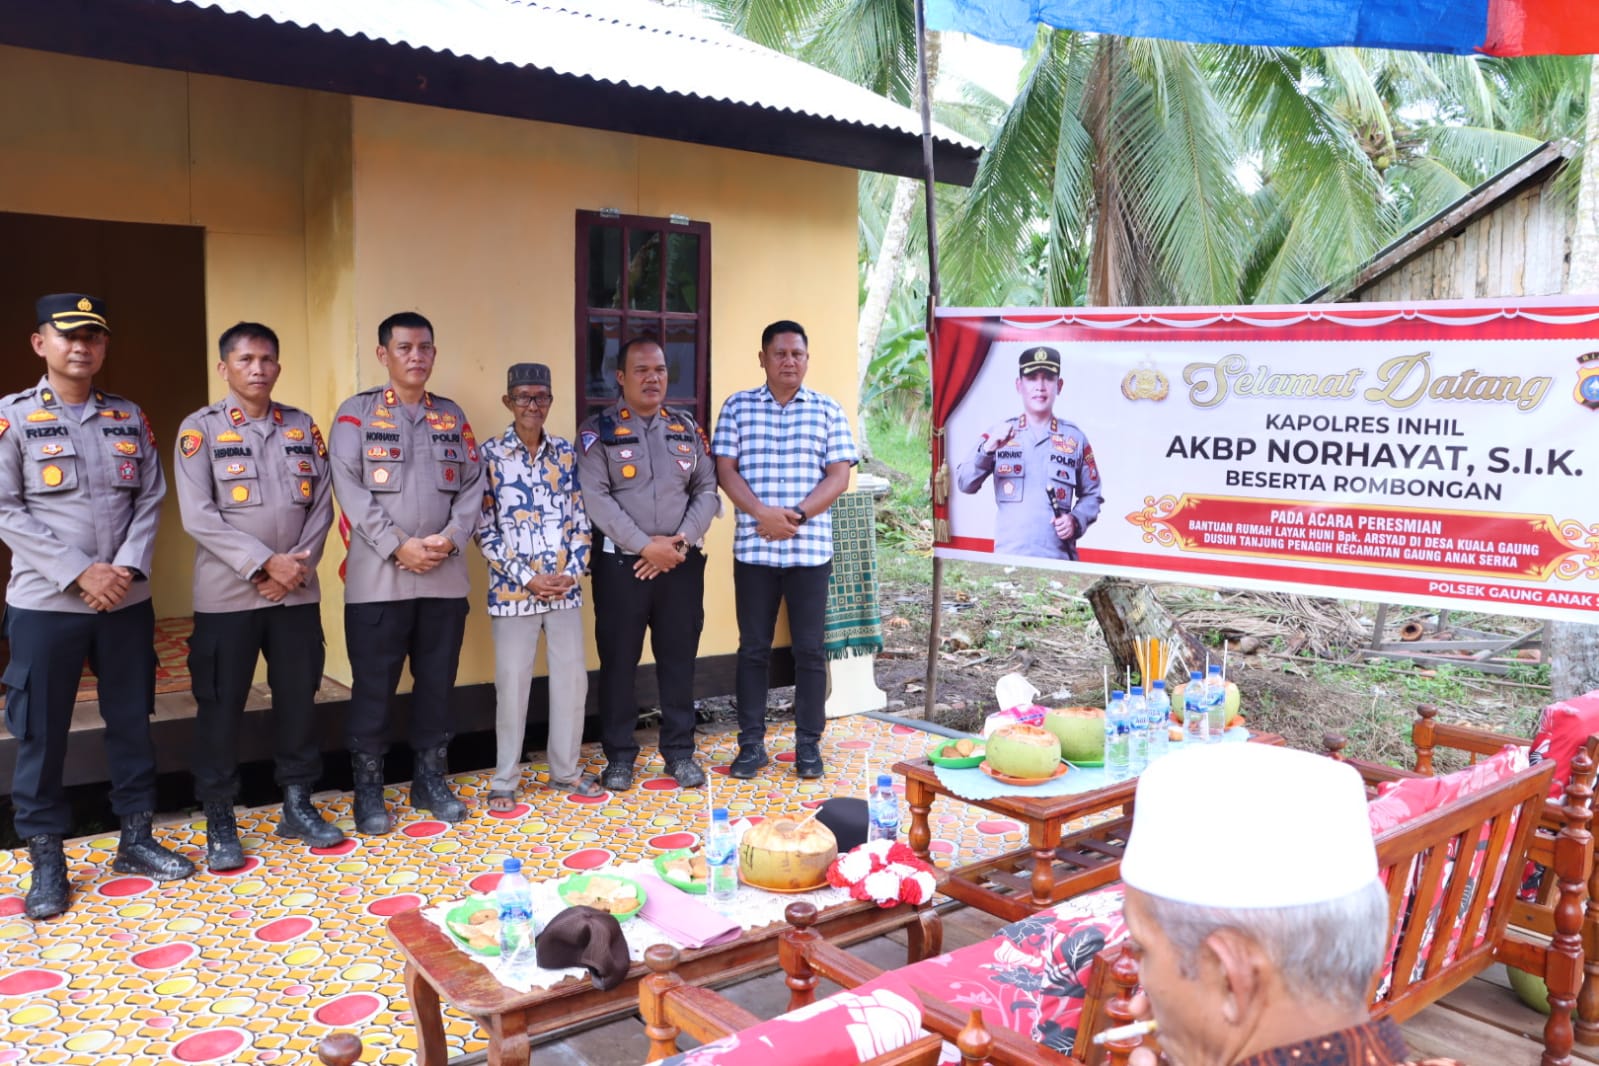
<point>623,42</point>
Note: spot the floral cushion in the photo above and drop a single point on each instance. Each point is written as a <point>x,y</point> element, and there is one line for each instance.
<point>1030,977</point>
<point>1562,729</point>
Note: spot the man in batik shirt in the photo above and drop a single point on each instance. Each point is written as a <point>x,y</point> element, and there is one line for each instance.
<point>535,535</point>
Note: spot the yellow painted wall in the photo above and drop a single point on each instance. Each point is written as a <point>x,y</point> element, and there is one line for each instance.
<point>470,219</point>
<point>323,214</point>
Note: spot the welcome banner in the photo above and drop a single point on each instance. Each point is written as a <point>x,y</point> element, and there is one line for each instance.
<point>1443,454</point>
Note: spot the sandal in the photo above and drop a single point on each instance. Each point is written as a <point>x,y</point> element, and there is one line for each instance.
<point>585,786</point>
<point>502,801</point>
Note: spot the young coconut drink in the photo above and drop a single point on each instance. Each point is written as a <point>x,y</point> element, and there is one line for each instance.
<point>1023,751</point>
<point>787,855</point>
<point>1080,730</point>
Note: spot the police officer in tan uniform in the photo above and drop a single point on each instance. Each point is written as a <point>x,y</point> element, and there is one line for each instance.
<point>1046,481</point>
<point>650,489</point>
<point>408,478</point>
<point>80,497</point>
<point>256,496</point>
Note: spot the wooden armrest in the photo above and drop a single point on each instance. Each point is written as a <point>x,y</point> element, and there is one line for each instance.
<point>1428,734</point>
<point>706,1015</point>
<point>1372,773</point>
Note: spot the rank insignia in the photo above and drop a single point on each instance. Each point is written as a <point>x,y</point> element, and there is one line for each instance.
<point>625,413</point>
<point>294,433</point>
<point>47,396</point>
<point>236,416</point>
<point>379,424</point>
<point>629,470</point>
<point>4,425</point>
<point>587,439</point>
<point>321,446</point>
<point>112,412</point>
<point>304,466</point>
<point>305,488</point>
<point>41,415</point>
<point>381,475</point>
<point>51,449</point>
<point>127,471</point>
<point>240,493</point>
<point>277,415</point>
<point>377,453</point>
<point>389,397</point>
<point>189,442</point>
<point>235,469</point>
<point>227,436</point>
<point>52,475</point>
<point>126,447</point>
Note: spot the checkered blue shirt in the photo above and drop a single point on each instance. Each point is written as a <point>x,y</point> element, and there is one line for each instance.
<point>783,451</point>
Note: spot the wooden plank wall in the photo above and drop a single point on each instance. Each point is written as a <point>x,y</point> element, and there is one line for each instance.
<point>1523,248</point>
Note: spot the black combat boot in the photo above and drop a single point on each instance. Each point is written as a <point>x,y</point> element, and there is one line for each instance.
<point>49,894</point>
<point>429,791</point>
<point>222,848</point>
<point>302,821</point>
<point>371,813</point>
<point>808,758</point>
<point>138,852</point>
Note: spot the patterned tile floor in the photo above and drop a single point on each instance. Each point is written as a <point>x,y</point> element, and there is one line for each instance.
<point>257,965</point>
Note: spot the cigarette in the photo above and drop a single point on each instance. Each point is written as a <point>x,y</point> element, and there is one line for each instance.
<point>1125,1032</point>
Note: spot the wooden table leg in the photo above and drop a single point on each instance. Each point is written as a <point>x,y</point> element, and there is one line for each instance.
<point>920,799</point>
<point>924,937</point>
<point>430,1049</point>
<point>508,1042</point>
<point>1044,835</point>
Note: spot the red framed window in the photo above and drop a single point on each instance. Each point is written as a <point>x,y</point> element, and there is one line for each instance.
<point>637,274</point>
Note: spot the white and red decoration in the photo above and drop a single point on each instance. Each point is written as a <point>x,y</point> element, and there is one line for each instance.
<point>885,872</point>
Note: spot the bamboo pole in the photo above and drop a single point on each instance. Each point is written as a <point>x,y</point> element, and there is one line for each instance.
<point>930,688</point>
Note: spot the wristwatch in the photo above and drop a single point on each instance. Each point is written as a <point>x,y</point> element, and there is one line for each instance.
<point>801,512</point>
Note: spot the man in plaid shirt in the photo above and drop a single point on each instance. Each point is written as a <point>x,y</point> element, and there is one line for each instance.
<point>783,455</point>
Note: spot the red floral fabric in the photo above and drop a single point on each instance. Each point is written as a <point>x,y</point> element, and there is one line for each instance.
<point>1030,977</point>
<point>1562,729</point>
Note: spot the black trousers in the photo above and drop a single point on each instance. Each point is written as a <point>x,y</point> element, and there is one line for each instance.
<point>48,649</point>
<point>757,590</point>
<point>672,607</point>
<point>380,637</point>
<point>222,654</point>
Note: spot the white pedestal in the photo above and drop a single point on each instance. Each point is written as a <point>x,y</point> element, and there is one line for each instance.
<point>852,686</point>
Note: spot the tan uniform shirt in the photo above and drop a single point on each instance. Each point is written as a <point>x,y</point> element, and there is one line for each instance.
<point>75,492</point>
<point>645,477</point>
<point>249,490</point>
<point>399,475</point>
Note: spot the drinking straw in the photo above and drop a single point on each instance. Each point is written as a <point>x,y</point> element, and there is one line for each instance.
<point>1224,650</point>
<point>1106,671</point>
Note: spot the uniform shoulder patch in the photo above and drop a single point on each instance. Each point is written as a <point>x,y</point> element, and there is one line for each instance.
<point>189,442</point>
<point>149,432</point>
<point>587,440</point>
<point>321,446</point>
<point>350,420</point>
<point>4,425</point>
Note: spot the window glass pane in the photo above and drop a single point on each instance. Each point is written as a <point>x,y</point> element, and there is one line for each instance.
<point>683,272</point>
<point>681,345</point>
<point>643,270</point>
<point>604,338</point>
<point>605,266</point>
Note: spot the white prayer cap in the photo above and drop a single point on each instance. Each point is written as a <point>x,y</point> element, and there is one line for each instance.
<point>1249,825</point>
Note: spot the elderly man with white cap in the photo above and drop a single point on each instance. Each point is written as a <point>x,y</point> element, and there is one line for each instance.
<point>1253,901</point>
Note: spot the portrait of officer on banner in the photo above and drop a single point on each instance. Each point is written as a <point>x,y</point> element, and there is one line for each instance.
<point>1046,481</point>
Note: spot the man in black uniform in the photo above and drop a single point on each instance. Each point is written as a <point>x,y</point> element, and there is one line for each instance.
<point>80,498</point>
<point>650,490</point>
<point>256,496</point>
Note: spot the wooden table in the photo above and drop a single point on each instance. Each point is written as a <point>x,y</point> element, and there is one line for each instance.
<point>1053,867</point>
<point>435,969</point>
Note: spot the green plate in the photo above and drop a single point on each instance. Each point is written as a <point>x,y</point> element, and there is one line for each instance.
<point>937,757</point>
<point>1086,764</point>
<point>460,913</point>
<point>578,882</point>
<point>695,888</point>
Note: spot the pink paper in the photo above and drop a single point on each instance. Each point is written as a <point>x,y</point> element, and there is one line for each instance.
<point>683,917</point>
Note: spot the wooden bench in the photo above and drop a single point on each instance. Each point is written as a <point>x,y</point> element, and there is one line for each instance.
<point>1430,867</point>
<point>670,1006</point>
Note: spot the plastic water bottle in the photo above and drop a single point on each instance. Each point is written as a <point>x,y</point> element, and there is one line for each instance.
<point>721,852</point>
<point>1159,720</point>
<point>1215,702</point>
<point>1138,717</point>
<point>515,899</point>
<point>1118,738</point>
<point>883,807</point>
<point>1196,720</point>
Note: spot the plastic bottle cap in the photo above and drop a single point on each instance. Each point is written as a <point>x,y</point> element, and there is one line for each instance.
<point>1159,685</point>
<point>719,814</point>
<point>1195,675</point>
<point>885,780</point>
<point>513,866</point>
<point>1117,694</point>
<point>1138,690</point>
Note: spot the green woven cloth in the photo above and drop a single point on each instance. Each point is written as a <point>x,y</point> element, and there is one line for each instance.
<point>854,624</point>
